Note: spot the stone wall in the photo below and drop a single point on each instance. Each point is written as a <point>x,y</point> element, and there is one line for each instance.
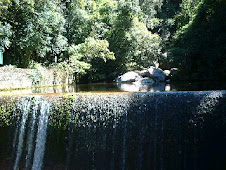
<point>14,78</point>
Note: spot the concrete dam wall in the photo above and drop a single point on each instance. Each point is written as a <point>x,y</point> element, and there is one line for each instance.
<point>166,130</point>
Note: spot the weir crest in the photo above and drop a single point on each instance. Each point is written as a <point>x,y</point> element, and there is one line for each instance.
<point>167,130</point>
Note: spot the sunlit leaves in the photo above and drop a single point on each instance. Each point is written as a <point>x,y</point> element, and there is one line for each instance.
<point>5,27</point>
<point>145,45</point>
<point>38,28</point>
<point>5,33</point>
<point>45,29</point>
<point>81,55</point>
<point>4,4</point>
<point>188,11</point>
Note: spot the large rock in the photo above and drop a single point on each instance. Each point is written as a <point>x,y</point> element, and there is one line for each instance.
<point>144,73</point>
<point>173,72</point>
<point>144,81</point>
<point>128,77</point>
<point>167,72</point>
<point>156,74</point>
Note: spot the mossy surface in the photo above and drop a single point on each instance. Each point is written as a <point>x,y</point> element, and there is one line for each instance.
<point>7,107</point>
<point>60,114</point>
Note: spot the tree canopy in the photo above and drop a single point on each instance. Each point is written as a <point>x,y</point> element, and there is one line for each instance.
<point>100,39</point>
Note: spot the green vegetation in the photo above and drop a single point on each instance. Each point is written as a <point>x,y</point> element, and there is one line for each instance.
<point>60,113</point>
<point>199,42</point>
<point>97,40</point>
<point>7,106</point>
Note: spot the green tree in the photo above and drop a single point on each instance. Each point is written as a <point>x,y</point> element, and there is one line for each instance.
<point>199,45</point>
<point>5,27</point>
<point>90,56</point>
<point>38,28</point>
<point>134,46</point>
<point>145,47</point>
<point>88,19</point>
<point>189,9</point>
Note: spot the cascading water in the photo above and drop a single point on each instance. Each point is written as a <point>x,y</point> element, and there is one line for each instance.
<point>159,131</point>
<point>98,116</point>
<point>41,136</point>
<point>31,133</point>
<point>25,110</point>
<point>124,141</point>
<point>35,113</point>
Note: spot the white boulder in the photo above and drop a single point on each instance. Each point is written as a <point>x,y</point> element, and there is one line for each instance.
<point>128,77</point>
<point>156,74</point>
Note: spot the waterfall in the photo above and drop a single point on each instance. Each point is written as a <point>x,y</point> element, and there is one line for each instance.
<point>35,111</point>
<point>112,164</point>
<point>155,135</point>
<point>25,109</point>
<point>15,133</point>
<point>156,131</point>
<point>31,132</point>
<point>124,142</point>
<point>41,136</point>
<point>140,148</point>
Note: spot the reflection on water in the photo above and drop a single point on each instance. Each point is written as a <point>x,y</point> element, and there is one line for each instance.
<point>97,87</point>
<point>128,87</point>
<point>131,87</point>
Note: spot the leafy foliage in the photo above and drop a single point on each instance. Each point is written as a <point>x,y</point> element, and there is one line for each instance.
<point>37,31</point>
<point>199,43</point>
<point>5,27</point>
<point>145,46</point>
<point>83,56</point>
<point>6,111</point>
<point>101,39</point>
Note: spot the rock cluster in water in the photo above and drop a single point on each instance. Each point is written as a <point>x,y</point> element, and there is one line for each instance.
<point>145,78</point>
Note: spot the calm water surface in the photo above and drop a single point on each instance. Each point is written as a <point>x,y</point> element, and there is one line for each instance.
<point>113,87</point>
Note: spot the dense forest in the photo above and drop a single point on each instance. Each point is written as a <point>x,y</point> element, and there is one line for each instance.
<point>99,39</point>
